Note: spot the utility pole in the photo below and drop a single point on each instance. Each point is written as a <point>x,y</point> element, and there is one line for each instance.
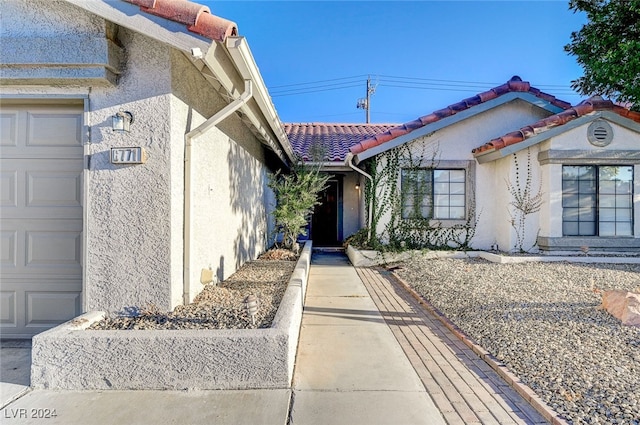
<point>365,103</point>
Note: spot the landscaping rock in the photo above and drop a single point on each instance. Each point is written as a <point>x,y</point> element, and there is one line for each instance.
<point>220,305</point>
<point>623,305</point>
<point>543,322</point>
<point>199,354</point>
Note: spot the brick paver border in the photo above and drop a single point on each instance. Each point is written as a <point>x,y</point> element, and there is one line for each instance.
<point>481,407</point>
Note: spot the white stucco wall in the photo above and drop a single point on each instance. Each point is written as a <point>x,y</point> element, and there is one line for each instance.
<point>624,140</point>
<point>134,216</point>
<point>551,216</point>
<point>127,208</point>
<point>51,18</point>
<point>228,197</point>
<point>455,142</point>
<point>352,198</point>
<point>129,251</point>
<point>576,138</point>
<point>517,169</point>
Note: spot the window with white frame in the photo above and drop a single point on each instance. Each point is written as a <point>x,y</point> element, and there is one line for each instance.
<point>433,193</point>
<point>597,200</point>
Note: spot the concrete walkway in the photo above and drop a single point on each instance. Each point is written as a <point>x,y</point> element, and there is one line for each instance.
<point>15,369</point>
<point>366,355</point>
<point>350,369</point>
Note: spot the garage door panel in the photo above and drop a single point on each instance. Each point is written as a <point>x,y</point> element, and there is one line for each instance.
<point>54,188</point>
<point>46,309</point>
<point>53,250</point>
<point>8,188</point>
<point>30,185</point>
<point>9,249</point>
<point>41,172</point>
<point>33,248</point>
<point>54,129</point>
<point>9,128</point>
<point>8,316</point>
<point>60,153</point>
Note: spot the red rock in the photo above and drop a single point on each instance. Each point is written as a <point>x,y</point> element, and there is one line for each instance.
<point>623,305</point>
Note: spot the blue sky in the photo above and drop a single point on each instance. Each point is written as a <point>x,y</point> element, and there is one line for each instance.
<point>437,52</point>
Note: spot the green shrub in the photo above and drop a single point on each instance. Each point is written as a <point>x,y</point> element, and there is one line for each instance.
<point>297,193</point>
<point>359,239</point>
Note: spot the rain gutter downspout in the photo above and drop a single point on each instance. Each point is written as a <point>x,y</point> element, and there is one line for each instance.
<point>188,141</point>
<point>349,161</point>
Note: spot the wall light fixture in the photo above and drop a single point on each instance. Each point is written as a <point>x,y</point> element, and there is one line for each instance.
<point>121,121</point>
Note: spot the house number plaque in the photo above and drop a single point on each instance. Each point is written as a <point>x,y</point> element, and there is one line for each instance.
<point>124,156</point>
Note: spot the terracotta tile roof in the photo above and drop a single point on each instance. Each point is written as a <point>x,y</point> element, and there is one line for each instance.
<point>335,139</point>
<point>588,106</point>
<point>196,17</point>
<point>514,85</point>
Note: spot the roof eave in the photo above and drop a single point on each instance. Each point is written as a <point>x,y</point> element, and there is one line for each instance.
<point>453,119</point>
<point>129,16</point>
<point>243,58</point>
<point>494,154</point>
<point>230,63</point>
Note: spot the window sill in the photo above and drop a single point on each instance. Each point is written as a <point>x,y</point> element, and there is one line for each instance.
<point>600,243</point>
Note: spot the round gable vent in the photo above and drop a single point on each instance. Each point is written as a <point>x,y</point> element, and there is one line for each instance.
<point>600,133</point>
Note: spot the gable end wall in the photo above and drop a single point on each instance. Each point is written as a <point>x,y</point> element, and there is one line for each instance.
<point>455,142</point>
<point>572,147</point>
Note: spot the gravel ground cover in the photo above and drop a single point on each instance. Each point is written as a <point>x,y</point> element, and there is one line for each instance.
<point>220,306</point>
<point>543,322</point>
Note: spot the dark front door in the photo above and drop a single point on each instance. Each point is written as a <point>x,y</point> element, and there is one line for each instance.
<point>326,219</point>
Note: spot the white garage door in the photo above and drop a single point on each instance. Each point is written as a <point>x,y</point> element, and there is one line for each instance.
<point>41,163</point>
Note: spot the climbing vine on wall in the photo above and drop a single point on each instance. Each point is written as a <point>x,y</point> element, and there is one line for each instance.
<point>524,200</point>
<point>413,227</point>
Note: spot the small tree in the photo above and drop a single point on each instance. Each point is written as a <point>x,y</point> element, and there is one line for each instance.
<point>607,48</point>
<point>297,193</point>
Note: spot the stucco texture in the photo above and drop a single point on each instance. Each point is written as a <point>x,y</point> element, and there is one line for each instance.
<point>133,248</point>
<point>73,358</point>
<point>623,142</point>
<point>51,18</point>
<point>455,142</point>
<point>162,360</point>
<point>136,239</point>
<point>56,53</point>
<point>129,252</point>
<point>228,180</point>
<point>125,259</point>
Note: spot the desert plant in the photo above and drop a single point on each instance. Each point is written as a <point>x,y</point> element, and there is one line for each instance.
<point>296,193</point>
<point>524,201</point>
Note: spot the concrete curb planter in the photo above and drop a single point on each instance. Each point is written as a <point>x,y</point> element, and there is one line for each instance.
<point>367,258</point>
<point>370,258</point>
<point>72,358</point>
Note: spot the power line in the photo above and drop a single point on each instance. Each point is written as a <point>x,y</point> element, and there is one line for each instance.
<point>429,88</point>
<point>319,81</point>
<point>395,81</point>
<point>314,91</point>
<point>455,84</point>
<point>345,84</point>
<point>464,82</point>
<point>401,82</point>
<point>457,89</point>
